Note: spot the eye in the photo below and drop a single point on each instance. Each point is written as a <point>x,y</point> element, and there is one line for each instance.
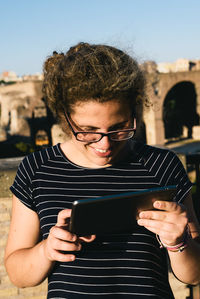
<point>120,126</point>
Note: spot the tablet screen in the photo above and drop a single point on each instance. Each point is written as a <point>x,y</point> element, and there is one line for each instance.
<point>115,213</point>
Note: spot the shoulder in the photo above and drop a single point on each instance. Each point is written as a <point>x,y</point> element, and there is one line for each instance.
<point>146,152</point>
<point>165,166</point>
<point>159,161</point>
<point>33,162</point>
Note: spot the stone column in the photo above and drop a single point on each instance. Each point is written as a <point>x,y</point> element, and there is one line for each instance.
<point>154,127</point>
<point>4,113</point>
<point>14,122</point>
<point>159,129</point>
<point>149,120</point>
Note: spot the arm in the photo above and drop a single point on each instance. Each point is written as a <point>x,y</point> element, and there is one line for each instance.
<point>170,224</point>
<point>28,260</point>
<point>186,266</point>
<point>24,252</point>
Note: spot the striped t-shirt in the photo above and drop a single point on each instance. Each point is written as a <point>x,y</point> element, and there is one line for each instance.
<point>128,265</point>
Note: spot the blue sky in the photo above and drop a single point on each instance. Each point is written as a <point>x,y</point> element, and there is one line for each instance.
<point>157,30</point>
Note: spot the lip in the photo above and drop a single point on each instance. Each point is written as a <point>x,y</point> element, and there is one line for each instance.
<point>102,154</point>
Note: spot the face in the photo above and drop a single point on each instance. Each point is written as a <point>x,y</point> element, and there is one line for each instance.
<point>98,117</point>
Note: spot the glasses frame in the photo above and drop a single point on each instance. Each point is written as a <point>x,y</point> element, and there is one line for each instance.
<point>75,133</point>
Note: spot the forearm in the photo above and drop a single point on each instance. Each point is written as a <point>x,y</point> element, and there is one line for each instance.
<point>28,267</point>
<point>186,264</point>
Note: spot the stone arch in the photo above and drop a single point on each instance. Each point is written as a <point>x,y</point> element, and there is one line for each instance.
<point>180,110</point>
<point>42,138</point>
<point>41,122</point>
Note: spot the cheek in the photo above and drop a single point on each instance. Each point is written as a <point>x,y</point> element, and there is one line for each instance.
<point>84,147</point>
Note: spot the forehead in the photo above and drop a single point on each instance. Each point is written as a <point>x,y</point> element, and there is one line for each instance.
<point>91,108</point>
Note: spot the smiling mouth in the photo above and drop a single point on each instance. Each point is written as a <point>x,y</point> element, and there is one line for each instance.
<point>101,150</point>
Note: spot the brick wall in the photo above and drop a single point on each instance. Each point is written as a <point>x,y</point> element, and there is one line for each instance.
<point>7,289</point>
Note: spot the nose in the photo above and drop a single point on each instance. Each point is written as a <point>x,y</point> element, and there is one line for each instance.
<point>104,142</point>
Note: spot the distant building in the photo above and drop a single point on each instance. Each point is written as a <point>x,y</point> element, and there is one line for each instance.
<point>180,65</point>
<point>8,76</point>
<point>149,66</point>
<point>34,77</point>
<point>11,76</point>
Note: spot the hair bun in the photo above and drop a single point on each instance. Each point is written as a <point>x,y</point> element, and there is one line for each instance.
<point>52,61</point>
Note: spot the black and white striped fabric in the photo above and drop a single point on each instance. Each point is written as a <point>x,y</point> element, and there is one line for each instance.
<point>113,266</point>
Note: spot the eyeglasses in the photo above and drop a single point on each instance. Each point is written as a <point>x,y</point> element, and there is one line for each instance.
<point>85,136</point>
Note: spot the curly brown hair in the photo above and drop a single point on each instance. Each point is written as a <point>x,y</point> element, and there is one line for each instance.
<point>92,72</point>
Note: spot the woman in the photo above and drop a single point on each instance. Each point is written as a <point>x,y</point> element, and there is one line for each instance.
<point>97,93</point>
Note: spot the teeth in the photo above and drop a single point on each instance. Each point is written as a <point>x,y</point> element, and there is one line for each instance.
<point>100,150</point>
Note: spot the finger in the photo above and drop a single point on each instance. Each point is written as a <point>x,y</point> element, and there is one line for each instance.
<point>65,246</point>
<point>169,232</point>
<point>62,234</point>
<point>154,215</point>
<point>156,226</point>
<point>87,238</point>
<point>53,250</point>
<point>60,257</point>
<point>63,217</point>
<point>164,216</point>
<point>169,206</point>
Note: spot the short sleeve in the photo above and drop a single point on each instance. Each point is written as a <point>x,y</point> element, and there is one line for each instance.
<point>22,186</point>
<point>178,176</point>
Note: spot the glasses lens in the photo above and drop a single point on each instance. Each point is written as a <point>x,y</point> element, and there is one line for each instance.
<point>88,137</point>
<point>95,137</point>
<point>121,135</point>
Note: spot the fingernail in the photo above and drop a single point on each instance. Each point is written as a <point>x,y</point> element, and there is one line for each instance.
<point>157,204</point>
<point>139,222</point>
<point>142,215</point>
<point>74,237</point>
<point>72,257</point>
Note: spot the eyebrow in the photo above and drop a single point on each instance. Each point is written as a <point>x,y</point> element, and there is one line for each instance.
<point>86,127</point>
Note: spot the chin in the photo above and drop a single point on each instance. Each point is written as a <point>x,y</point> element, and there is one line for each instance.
<point>102,163</point>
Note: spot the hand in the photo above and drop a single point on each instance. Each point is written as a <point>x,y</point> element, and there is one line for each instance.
<point>169,221</point>
<point>60,239</point>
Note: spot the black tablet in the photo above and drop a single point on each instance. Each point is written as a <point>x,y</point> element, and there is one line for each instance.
<point>115,213</point>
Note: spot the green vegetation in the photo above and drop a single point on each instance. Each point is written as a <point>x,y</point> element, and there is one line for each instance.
<point>24,147</point>
<point>15,150</point>
<point>2,82</point>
